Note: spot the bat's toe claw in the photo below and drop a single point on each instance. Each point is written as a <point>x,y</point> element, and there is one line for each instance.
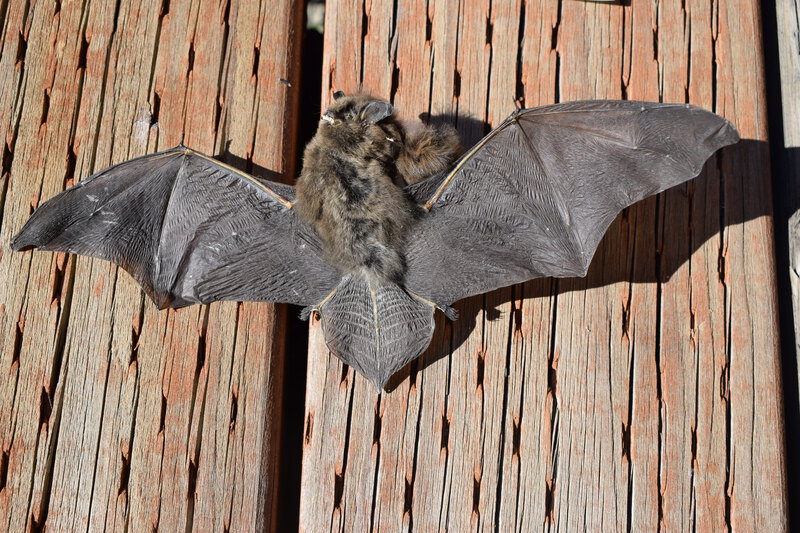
<point>448,311</point>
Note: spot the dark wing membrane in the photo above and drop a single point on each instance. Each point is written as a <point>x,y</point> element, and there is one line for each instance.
<point>536,195</point>
<point>189,229</point>
<point>377,328</point>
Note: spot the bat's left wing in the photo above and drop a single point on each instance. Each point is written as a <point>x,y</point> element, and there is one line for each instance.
<point>535,196</point>
<point>189,229</point>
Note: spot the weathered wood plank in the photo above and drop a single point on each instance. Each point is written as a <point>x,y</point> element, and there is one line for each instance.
<point>786,158</point>
<point>788,18</point>
<point>788,24</point>
<point>646,395</point>
<point>114,414</point>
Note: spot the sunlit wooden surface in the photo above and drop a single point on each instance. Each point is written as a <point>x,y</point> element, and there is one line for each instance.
<point>646,396</point>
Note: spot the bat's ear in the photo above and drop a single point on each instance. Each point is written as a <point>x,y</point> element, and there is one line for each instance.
<point>338,94</point>
<point>375,111</point>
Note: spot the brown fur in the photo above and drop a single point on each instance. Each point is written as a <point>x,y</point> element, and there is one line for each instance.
<point>350,188</point>
<point>428,151</point>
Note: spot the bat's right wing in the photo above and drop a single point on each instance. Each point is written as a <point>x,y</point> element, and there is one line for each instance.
<point>189,229</point>
<point>536,195</point>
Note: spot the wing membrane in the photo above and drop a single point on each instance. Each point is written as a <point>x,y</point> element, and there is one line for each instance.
<point>536,195</point>
<point>189,230</point>
<point>377,328</point>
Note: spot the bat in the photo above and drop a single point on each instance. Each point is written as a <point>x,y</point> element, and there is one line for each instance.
<point>386,223</point>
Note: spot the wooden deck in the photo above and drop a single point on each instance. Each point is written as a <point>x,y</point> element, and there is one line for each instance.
<point>647,396</point>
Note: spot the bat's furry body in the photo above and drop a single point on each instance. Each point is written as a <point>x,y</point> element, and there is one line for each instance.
<point>375,256</point>
<point>350,188</point>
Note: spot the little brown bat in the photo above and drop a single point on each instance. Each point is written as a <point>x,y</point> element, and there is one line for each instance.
<point>348,190</point>
<point>385,223</point>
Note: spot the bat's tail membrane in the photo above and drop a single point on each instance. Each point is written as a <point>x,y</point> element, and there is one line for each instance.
<point>375,327</point>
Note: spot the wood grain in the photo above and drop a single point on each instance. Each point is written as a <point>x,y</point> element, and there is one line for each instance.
<point>645,396</point>
<point>788,19</point>
<point>115,415</point>
<point>788,24</point>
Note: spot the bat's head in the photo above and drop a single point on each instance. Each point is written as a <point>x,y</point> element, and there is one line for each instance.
<point>357,110</point>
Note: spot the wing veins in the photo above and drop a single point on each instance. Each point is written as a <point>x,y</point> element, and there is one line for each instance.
<point>157,255</point>
<point>461,162</point>
<point>108,200</point>
<point>376,321</point>
<point>562,205</point>
<point>280,199</point>
<point>537,111</point>
<point>596,133</point>
<point>619,142</point>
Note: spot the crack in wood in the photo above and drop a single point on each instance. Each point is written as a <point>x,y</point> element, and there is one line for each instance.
<point>191,490</point>
<point>7,159</point>
<point>124,474</point>
<point>376,447</point>
<point>549,500</point>
<point>408,499</point>
<point>725,378</point>
<point>626,48</point>
<point>376,426</point>
<point>256,59</point>
<point>627,428</point>
<point>687,21</point>
<point>445,433</point>
<point>722,250</point>
<point>519,84</point>
<point>476,496</point>
<point>308,433</point>
<point>156,108</point>
<point>363,41</point>
<point>234,411</point>
<point>45,107</point>
<point>4,470</point>
<point>190,61</point>
<point>136,331</point>
<point>391,39</point>
<point>3,12</point>
<point>163,415</point>
<point>510,334</point>
<point>428,25</point>
<point>45,407</point>
<point>18,334</point>
<point>82,54</point>
<point>338,491</point>
<point>659,239</point>
<point>480,363</point>
<point>341,469</point>
<point>714,67</point>
<point>222,78</point>
<point>22,50</point>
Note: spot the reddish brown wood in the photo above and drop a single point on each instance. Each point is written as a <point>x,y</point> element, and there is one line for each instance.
<point>646,395</point>
<point>115,415</point>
